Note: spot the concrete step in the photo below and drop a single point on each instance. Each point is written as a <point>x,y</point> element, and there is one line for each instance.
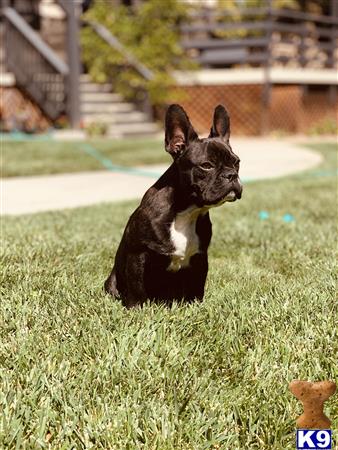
<point>85,78</point>
<point>133,129</point>
<point>100,97</point>
<point>108,119</point>
<point>7,79</point>
<point>106,108</point>
<point>95,87</point>
<point>119,118</point>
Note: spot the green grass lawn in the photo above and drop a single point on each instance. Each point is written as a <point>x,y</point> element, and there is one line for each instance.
<point>45,157</point>
<point>80,371</point>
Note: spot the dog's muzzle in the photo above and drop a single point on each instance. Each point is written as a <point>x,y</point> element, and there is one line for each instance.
<point>230,197</point>
<point>238,189</point>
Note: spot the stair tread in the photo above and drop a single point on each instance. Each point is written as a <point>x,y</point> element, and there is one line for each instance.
<point>100,97</point>
<point>106,108</point>
<point>94,87</point>
<point>7,79</point>
<point>134,126</point>
<point>85,77</point>
<point>112,118</point>
<point>116,118</point>
<point>100,104</point>
<point>117,133</point>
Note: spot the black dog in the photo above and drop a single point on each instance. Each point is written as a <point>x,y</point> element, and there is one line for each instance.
<point>163,254</point>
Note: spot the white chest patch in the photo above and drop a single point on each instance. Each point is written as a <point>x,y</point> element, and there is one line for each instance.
<point>184,239</point>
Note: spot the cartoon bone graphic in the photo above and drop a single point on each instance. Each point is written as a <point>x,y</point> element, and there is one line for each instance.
<point>313,395</point>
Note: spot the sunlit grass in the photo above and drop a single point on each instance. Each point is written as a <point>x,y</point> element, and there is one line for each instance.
<point>49,157</point>
<point>80,371</point>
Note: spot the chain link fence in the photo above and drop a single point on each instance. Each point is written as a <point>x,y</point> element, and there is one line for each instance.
<point>290,109</point>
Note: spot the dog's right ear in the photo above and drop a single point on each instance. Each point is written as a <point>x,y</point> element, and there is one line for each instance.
<point>220,124</point>
<point>178,130</point>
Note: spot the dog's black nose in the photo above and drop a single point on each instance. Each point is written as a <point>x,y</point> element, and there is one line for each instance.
<point>238,191</point>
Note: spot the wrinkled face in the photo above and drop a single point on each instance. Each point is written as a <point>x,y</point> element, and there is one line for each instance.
<point>209,169</point>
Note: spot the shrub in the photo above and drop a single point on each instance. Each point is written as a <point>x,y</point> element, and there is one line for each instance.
<point>150,32</point>
<point>96,129</point>
<point>324,126</point>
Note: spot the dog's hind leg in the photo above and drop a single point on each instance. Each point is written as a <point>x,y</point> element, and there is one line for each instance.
<point>110,285</point>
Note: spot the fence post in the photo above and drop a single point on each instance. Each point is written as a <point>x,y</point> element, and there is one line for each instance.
<point>266,91</point>
<point>302,47</point>
<point>73,92</point>
<point>334,14</point>
<point>146,106</point>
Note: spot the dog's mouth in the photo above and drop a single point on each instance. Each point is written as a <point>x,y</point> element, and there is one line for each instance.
<point>230,197</point>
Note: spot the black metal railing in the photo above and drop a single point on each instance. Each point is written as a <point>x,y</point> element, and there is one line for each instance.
<point>51,82</point>
<point>219,39</point>
<point>37,68</point>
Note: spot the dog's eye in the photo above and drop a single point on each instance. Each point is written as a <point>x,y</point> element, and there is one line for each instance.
<point>206,166</point>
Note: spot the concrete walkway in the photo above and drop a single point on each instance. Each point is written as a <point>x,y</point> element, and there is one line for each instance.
<point>260,158</point>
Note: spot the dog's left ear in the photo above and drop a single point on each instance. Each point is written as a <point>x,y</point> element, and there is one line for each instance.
<point>220,124</point>
<point>178,130</point>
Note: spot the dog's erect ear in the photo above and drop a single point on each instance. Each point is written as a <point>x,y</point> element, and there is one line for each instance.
<point>220,124</point>
<point>178,130</point>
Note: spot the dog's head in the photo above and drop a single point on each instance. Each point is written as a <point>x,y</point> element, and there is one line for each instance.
<point>208,167</point>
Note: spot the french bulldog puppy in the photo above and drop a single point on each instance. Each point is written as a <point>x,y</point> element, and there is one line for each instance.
<point>163,254</point>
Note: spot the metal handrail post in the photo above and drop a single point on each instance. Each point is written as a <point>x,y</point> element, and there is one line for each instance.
<point>266,91</point>
<point>73,51</point>
<point>334,15</point>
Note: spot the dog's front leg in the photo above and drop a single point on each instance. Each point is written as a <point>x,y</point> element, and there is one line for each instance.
<point>135,292</point>
<point>195,277</point>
